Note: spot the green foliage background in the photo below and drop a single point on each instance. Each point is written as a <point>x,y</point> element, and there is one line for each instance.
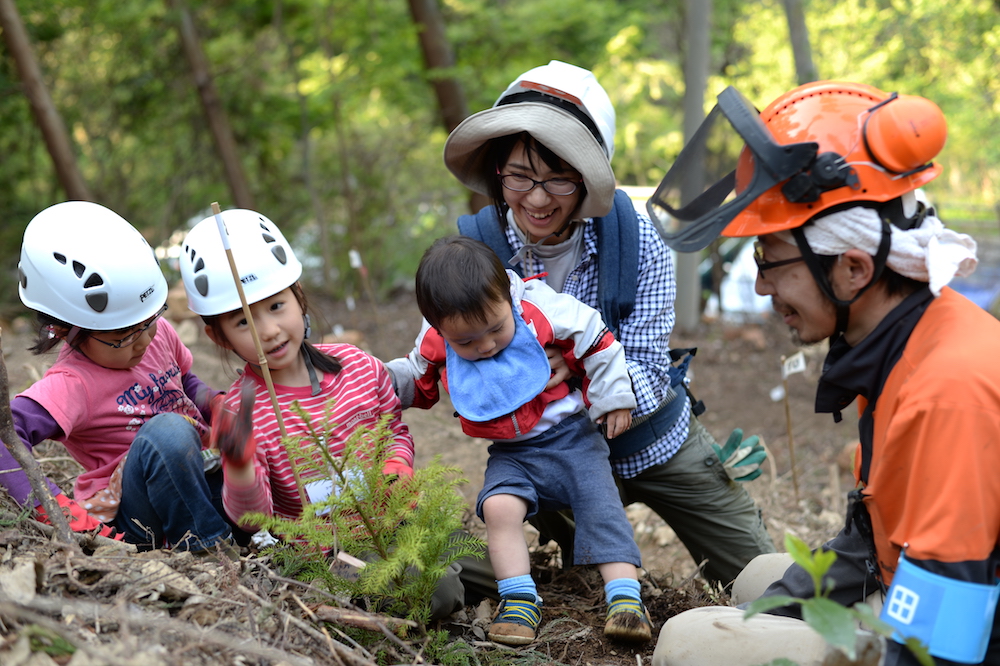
<point>350,76</point>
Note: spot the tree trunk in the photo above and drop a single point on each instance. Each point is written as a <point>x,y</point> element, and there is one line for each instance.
<point>46,115</point>
<point>305,125</point>
<point>218,122</point>
<point>439,56</point>
<point>698,28</point>
<point>805,70</point>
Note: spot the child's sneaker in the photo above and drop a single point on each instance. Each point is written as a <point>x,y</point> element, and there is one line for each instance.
<point>628,620</point>
<point>517,618</point>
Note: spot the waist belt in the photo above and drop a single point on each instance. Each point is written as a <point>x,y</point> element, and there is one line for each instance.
<point>647,429</point>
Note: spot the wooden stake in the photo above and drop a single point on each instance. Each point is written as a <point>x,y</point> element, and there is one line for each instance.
<point>788,425</point>
<point>265,371</point>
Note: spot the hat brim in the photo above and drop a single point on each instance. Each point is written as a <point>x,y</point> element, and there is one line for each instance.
<point>554,128</point>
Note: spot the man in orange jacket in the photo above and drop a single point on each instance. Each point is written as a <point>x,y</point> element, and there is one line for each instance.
<point>828,180</point>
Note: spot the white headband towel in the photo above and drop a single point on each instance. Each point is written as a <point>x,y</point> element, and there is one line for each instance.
<point>930,253</point>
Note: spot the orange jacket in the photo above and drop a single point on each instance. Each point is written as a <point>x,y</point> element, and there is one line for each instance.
<point>934,481</point>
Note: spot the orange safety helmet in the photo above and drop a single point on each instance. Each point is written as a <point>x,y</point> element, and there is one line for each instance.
<point>818,147</point>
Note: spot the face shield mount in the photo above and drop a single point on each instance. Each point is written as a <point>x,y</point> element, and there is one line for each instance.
<point>735,151</point>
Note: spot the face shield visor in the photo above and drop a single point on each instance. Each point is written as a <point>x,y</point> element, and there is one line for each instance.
<point>735,152</point>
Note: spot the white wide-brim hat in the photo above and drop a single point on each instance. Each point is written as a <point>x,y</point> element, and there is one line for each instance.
<point>555,128</point>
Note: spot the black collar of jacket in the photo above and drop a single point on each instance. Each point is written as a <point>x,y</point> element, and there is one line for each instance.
<point>862,370</point>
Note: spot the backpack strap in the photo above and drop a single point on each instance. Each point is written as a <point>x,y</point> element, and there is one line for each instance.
<point>647,429</point>
<point>618,260</point>
<point>485,227</point>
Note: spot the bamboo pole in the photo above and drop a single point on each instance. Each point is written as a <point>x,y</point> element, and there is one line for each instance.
<point>261,357</point>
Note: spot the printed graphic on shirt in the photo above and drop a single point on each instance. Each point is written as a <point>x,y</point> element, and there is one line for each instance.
<point>162,393</point>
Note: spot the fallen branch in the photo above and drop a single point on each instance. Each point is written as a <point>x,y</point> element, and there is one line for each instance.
<point>340,650</point>
<point>134,617</point>
<point>85,539</point>
<point>27,461</point>
<point>359,619</point>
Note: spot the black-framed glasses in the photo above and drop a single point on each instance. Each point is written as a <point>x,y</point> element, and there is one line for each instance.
<point>560,187</point>
<point>134,335</point>
<point>758,257</point>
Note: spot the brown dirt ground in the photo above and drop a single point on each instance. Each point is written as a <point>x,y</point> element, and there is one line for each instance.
<point>251,615</point>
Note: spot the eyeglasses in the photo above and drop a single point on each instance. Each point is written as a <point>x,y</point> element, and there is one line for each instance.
<point>758,257</point>
<point>134,335</point>
<point>560,187</point>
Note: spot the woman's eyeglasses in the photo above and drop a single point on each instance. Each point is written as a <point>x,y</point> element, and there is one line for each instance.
<point>560,187</point>
<point>758,257</point>
<point>134,335</point>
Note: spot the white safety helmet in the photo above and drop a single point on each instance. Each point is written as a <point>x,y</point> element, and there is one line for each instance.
<point>564,108</point>
<point>264,259</point>
<point>85,265</point>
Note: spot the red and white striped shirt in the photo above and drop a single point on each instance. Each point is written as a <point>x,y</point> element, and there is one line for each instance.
<point>358,396</point>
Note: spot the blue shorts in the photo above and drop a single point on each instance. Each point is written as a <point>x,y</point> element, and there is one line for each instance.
<point>567,467</point>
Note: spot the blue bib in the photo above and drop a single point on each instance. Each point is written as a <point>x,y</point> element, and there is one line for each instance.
<point>492,387</point>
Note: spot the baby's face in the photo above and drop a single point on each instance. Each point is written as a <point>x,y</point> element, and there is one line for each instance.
<point>474,340</point>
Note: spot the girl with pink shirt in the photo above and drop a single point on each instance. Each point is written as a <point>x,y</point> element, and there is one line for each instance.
<point>121,395</point>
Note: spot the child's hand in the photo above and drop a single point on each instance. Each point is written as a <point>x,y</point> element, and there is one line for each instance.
<point>78,518</point>
<point>397,467</point>
<point>232,432</point>
<point>616,422</point>
<point>559,367</point>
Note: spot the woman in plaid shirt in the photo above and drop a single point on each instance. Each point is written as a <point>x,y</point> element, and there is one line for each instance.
<point>542,155</point>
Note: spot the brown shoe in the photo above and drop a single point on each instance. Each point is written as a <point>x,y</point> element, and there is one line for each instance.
<point>628,621</point>
<point>517,618</point>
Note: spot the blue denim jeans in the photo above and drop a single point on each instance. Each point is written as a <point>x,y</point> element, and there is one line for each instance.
<point>166,497</point>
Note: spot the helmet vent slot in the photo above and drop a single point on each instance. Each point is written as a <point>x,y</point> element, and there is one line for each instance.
<point>93,281</point>
<point>201,284</point>
<point>79,269</point>
<point>279,254</point>
<point>22,278</point>
<point>199,265</point>
<point>61,258</point>
<point>267,238</point>
<point>98,301</point>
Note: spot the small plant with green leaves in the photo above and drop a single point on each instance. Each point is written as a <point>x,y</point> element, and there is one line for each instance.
<point>405,530</point>
<point>835,622</point>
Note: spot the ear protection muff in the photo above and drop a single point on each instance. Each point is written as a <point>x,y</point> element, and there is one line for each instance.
<point>905,132</point>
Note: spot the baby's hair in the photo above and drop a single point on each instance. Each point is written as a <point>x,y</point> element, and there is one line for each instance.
<point>460,276</point>
<point>320,360</point>
<point>497,154</point>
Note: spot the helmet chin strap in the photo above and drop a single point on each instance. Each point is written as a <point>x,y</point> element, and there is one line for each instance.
<point>843,307</point>
<point>310,368</point>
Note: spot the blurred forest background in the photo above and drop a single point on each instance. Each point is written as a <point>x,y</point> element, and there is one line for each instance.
<point>329,116</point>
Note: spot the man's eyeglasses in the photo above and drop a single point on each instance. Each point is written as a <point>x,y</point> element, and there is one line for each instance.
<point>134,335</point>
<point>758,257</point>
<point>560,187</point>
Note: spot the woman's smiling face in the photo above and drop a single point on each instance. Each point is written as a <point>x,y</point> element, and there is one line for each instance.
<point>537,212</point>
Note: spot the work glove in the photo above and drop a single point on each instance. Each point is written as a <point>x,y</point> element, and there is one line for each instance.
<point>232,432</point>
<point>78,518</point>
<point>741,458</point>
<point>398,468</point>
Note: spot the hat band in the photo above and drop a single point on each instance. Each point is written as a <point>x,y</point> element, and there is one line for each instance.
<point>572,109</point>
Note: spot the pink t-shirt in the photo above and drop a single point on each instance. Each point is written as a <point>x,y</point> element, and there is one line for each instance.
<point>361,393</point>
<point>100,410</point>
